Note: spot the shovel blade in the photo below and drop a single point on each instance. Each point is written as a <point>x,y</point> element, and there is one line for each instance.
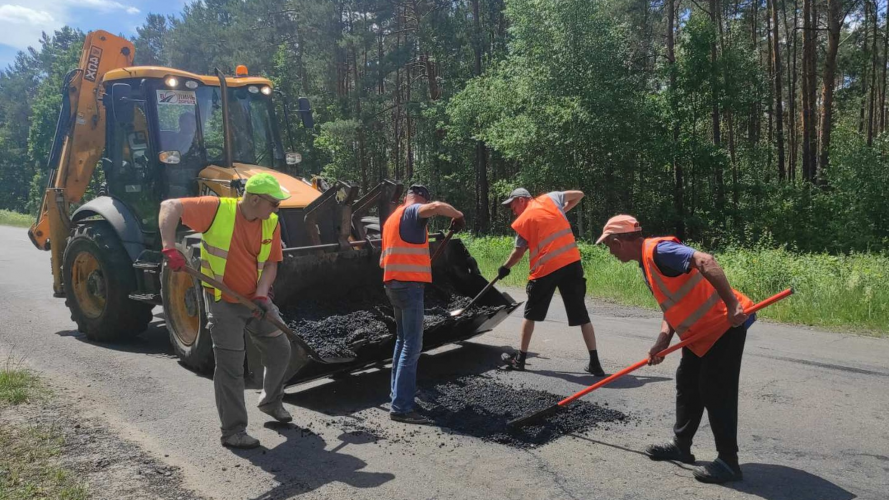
<point>533,418</point>
<point>456,312</point>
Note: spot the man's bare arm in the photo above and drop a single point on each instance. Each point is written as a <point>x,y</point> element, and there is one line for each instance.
<point>572,198</point>
<point>438,208</point>
<point>168,221</point>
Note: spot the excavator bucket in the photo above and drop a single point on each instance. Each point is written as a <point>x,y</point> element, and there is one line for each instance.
<point>330,288</point>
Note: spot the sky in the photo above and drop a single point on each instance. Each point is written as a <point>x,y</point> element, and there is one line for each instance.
<point>22,21</point>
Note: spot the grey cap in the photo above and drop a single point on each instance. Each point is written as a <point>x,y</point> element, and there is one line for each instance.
<point>517,193</point>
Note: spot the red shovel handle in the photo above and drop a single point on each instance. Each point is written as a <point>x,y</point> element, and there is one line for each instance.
<point>756,307</point>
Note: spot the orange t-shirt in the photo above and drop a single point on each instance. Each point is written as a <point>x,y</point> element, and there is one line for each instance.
<point>240,267</point>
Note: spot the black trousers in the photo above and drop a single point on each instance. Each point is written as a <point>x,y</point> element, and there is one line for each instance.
<point>711,382</point>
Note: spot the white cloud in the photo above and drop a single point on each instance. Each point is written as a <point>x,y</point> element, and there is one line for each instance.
<point>18,14</point>
<point>105,5</point>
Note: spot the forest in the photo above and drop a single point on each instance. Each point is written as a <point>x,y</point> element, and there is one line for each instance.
<point>731,123</point>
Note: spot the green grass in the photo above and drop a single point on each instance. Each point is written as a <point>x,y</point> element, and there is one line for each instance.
<point>16,219</point>
<point>29,463</point>
<point>836,292</point>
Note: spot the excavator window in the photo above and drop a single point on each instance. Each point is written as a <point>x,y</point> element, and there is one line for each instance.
<point>132,177</point>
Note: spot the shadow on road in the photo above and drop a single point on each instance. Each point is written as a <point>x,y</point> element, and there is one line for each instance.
<point>354,393</point>
<point>778,482</point>
<point>625,382</point>
<point>153,341</point>
<point>301,463</point>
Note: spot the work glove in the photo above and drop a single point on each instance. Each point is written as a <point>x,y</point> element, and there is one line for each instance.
<point>457,224</point>
<point>502,272</point>
<point>266,309</point>
<point>175,259</point>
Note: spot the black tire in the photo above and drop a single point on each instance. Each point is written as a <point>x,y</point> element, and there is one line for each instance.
<point>186,316</point>
<point>99,300</point>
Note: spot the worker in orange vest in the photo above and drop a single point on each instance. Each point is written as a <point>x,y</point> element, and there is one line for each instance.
<point>543,228</point>
<point>407,267</point>
<point>696,298</point>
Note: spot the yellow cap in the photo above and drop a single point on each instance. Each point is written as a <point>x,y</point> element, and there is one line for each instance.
<point>265,183</point>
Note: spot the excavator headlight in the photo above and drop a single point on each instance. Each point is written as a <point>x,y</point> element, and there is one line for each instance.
<point>191,84</point>
<point>293,158</point>
<point>253,89</point>
<point>169,157</point>
<point>172,82</point>
<point>266,90</point>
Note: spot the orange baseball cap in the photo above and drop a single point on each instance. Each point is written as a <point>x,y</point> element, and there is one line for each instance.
<point>619,224</point>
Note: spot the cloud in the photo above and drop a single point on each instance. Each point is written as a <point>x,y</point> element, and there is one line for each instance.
<point>105,5</point>
<point>18,14</point>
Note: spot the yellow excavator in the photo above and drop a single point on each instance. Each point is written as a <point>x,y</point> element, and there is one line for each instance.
<point>156,133</point>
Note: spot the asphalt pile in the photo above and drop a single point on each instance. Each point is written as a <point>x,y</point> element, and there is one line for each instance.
<point>481,407</point>
<point>362,316</point>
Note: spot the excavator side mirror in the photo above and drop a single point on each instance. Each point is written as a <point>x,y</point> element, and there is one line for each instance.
<point>122,103</point>
<point>305,113</point>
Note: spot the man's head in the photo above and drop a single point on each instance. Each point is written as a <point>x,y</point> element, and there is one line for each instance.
<point>622,235</point>
<point>262,196</point>
<point>518,200</point>
<point>417,193</point>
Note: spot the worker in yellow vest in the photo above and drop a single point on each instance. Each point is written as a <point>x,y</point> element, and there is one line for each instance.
<point>696,298</point>
<point>241,247</point>
<point>407,267</point>
<point>543,230</point>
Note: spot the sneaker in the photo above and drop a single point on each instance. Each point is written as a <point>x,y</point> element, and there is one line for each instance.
<point>670,451</point>
<point>277,412</point>
<point>718,472</point>
<point>512,362</point>
<point>239,440</point>
<point>595,369</point>
<point>410,417</point>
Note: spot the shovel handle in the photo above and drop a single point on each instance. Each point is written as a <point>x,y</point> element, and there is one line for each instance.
<point>480,294</point>
<point>756,307</point>
<point>441,245</point>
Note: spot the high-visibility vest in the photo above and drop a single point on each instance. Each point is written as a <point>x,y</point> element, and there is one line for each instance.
<point>549,237</point>
<point>216,241</point>
<point>401,260</point>
<point>691,305</point>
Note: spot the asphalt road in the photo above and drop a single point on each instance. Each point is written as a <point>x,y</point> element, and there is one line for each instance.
<point>813,412</point>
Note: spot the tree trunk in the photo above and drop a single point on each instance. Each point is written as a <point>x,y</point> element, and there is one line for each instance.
<point>810,142</point>
<point>779,108</point>
<point>481,152</point>
<point>791,91</point>
<point>883,79</point>
<point>871,108</point>
<point>834,25</point>
<point>677,166</point>
<point>714,90</point>
<point>862,110</point>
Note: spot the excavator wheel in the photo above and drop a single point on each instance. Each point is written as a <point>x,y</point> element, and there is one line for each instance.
<point>186,315</point>
<point>99,278</point>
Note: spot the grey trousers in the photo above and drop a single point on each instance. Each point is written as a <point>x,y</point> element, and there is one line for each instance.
<point>227,323</point>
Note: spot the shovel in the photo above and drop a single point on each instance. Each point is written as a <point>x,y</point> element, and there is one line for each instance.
<point>442,245</point>
<point>534,417</point>
<point>311,353</point>
<point>458,312</point>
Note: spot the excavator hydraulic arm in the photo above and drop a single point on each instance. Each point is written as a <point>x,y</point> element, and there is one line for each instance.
<point>78,142</point>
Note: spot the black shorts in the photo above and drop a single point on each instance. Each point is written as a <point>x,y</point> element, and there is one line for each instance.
<point>572,286</point>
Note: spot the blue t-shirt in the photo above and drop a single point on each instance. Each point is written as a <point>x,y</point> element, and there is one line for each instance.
<point>674,259</point>
<point>413,227</point>
<point>558,198</point>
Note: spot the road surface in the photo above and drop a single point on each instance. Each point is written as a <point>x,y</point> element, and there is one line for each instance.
<point>813,412</point>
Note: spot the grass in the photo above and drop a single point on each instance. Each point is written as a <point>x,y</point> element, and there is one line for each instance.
<point>8,218</point>
<point>29,462</point>
<point>837,292</point>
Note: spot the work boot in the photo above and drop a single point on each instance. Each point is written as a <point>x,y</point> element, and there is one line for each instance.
<point>410,417</point>
<point>513,361</point>
<point>240,440</point>
<point>670,451</point>
<point>594,368</point>
<point>718,472</point>
<point>277,412</point>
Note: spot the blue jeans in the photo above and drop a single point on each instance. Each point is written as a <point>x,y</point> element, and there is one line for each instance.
<point>407,301</point>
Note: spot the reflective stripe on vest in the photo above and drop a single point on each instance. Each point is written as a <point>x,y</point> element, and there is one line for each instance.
<point>690,303</point>
<point>216,241</point>
<point>550,239</point>
<point>401,260</point>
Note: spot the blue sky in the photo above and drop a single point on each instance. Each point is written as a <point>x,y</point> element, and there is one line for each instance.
<point>21,21</point>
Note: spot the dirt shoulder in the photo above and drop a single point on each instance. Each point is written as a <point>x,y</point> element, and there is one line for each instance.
<point>53,449</point>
